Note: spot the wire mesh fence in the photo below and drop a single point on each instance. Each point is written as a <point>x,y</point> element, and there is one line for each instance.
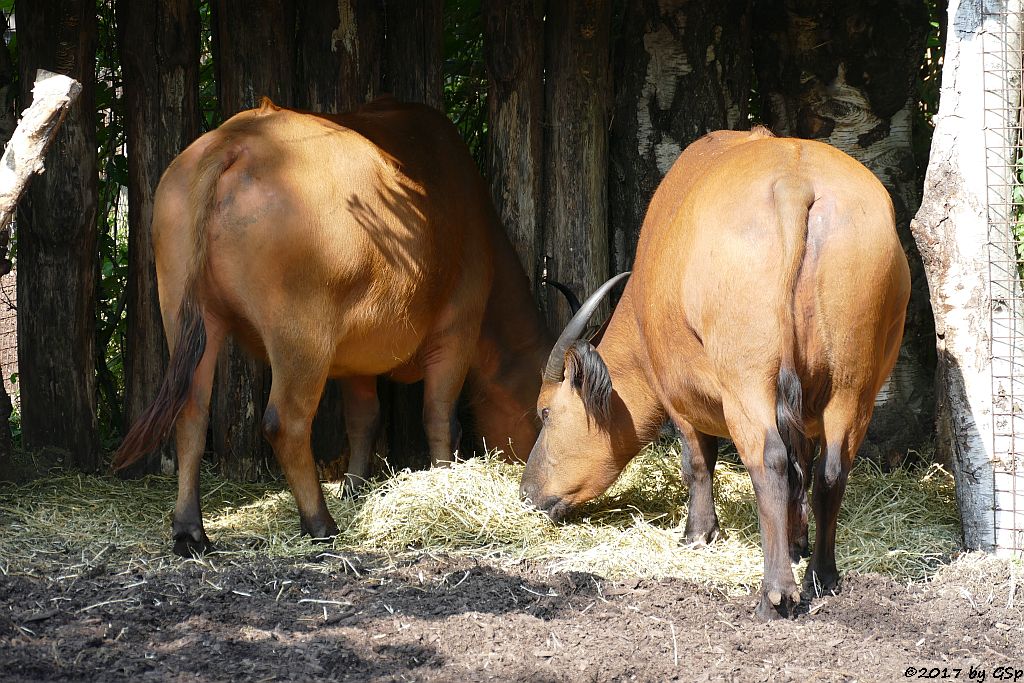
<point>9,335</point>
<point>1004,159</point>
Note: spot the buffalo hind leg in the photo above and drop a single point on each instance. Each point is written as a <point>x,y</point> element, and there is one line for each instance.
<point>699,454</point>
<point>362,419</point>
<point>764,454</point>
<point>294,396</point>
<point>843,426</point>
<point>190,441</point>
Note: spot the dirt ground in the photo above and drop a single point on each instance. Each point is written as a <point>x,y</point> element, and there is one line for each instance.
<point>452,619</point>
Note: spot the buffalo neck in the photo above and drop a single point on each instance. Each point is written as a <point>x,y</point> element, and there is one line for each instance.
<point>639,420</point>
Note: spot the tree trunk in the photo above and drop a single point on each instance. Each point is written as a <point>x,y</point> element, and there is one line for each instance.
<point>340,48</point>
<point>682,70</point>
<point>965,234</point>
<point>514,51</point>
<point>413,74</point>
<point>843,71</point>
<point>413,50</point>
<point>160,62</point>
<point>255,49</point>
<point>8,121</point>
<point>576,149</point>
<point>339,52</point>
<point>57,244</point>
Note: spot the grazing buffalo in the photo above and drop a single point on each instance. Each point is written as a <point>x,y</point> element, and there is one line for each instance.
<point>347,246</point>
<point>766,305</point>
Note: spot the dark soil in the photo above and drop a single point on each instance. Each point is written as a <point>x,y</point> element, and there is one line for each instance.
<point>445,619</point>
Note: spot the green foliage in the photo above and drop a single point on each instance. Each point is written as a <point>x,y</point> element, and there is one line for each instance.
<point>465,76</point>
<point>112,228</point>
<point>928,84</point>
<point>209,106</point>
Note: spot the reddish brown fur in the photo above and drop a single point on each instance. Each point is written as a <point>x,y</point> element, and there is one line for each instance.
<point>766,305</point>
<point>338,246</point>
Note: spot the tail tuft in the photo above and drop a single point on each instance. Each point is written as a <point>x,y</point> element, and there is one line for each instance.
<point>790,422</point>
<point>154,425</point>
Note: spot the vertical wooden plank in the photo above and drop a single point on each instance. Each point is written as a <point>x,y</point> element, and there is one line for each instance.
<point>576,148</point>
<point>682,69</point>
<point>57,243</point>
<point>160,62</point>
<point>514,52</point>
<point>255,56</point>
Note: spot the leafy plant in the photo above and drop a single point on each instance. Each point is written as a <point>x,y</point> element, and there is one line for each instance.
<point>465,77</point>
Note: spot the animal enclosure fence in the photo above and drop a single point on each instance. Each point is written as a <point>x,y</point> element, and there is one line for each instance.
<point>1004,161</point>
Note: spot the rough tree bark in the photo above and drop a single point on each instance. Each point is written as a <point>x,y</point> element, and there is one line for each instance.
<point>413,50</point>
<point>338,67</point>
<point>514,51</point>
<point>843,71</point>
<point>57,244</point>
<point>8,121</point>
<point>682,69</point>
<point>971,299</point>
<point>22,159</point>
<point>160,62</point>
<point>413,74</point>
<point>576,149</point>
<point>255,52</point>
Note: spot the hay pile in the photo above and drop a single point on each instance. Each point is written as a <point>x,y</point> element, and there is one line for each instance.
<point>902,524</point>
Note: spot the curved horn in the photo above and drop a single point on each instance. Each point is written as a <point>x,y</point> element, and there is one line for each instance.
<point>555,368</point>
<point>570,298</point>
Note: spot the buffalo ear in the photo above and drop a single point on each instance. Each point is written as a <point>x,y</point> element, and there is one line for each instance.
<point>588,376</point>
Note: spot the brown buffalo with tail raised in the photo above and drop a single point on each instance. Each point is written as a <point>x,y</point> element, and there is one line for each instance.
<point>766,304</point>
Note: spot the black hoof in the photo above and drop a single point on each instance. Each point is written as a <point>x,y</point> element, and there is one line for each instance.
<point>189,544</point>
<point>352,486</point>
<point>818,583</point>
<point>778,603</point>
<point>693,538</point>
<point>321,530</point>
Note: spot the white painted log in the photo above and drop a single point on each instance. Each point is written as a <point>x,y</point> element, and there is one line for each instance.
<point>23,156</point>
<point>972,276</point>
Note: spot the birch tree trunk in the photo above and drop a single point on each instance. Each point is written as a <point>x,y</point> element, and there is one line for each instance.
<point>843,72</point>
<point>977,305</point>
<point>57,244</point>
<point>255,52</point>
<point>160,61</point>
<point>340,48</point>
<point>682,69</point>
<point>577,107</point>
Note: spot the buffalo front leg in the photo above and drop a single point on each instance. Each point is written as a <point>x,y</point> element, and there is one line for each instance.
<point>442,382</point>
<point>294,396</point>
<point>698,456</point>
<point>190,442</point>
<point>362,419</point>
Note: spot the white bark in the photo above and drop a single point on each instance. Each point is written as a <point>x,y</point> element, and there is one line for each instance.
<point>23,157</point>
<point>975,288</point>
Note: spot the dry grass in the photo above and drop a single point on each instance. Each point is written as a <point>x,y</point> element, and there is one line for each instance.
<point>903,524</point>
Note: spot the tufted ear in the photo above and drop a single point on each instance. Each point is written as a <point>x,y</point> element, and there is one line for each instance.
<point>588,376</point>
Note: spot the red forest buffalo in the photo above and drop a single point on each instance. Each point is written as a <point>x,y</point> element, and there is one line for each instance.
<point>766,305</point>
<point>347,246</point>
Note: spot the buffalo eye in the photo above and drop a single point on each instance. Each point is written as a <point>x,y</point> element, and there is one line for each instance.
<point>544,412</point>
